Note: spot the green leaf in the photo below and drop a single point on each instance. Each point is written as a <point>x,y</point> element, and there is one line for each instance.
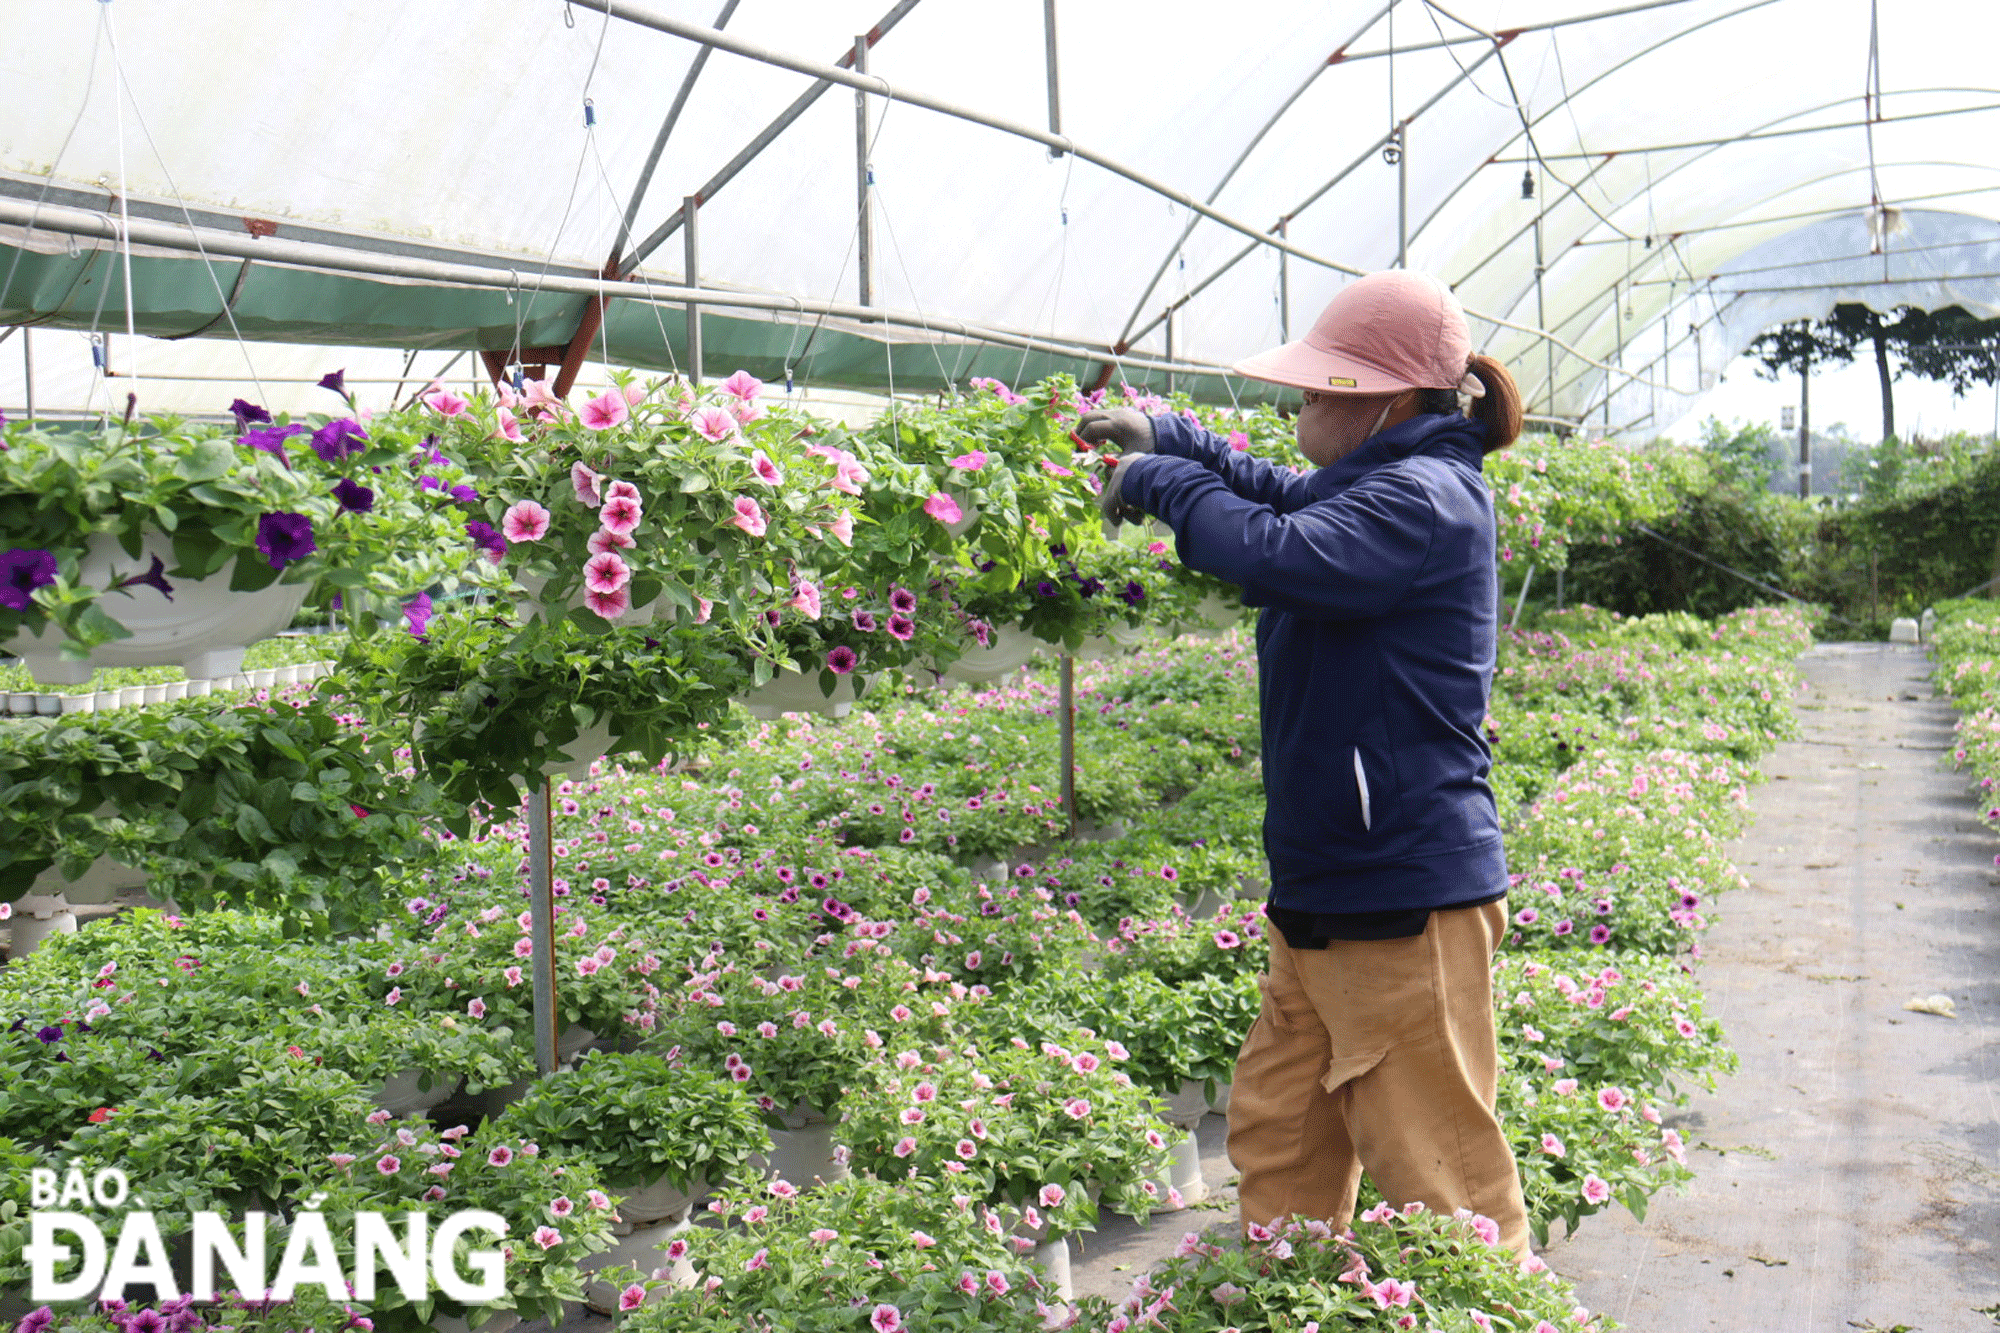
<point>693,483</point>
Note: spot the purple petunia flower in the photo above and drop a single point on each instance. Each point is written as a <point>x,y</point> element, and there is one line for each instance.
<point>1133,594</point>
<point>271,440</point>
<point>1045,589</point>
<point>21,572</point>
<point>353,499</point>
<point>418,612</point>
<point>865,621</point>
<point>840,660</point>
<point>901,627</point>
<point>463,493</point>
<point>246,413</point>
<point>903,600</point>
<point>1090,587</point>
<point>145,1321</point>
<point>335,380</point>
<point>339,438</point>
<point>487,538</point>
<point>50,1035</point>
<point>284,538</point>
<point>36,1320</point>
<point>156,577</point>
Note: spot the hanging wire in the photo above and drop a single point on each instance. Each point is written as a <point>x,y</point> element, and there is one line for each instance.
<point>89,84</point>
<point>124,206</point>
<point>187,216</point>
<point>1052,299</point>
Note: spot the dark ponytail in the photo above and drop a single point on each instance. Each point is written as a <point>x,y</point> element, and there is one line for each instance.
<point>1499,410</point>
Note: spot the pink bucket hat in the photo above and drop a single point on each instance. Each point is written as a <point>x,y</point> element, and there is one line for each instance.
<point>1382,333</point>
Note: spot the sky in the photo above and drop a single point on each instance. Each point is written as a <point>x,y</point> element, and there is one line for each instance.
<point>1850,394</point>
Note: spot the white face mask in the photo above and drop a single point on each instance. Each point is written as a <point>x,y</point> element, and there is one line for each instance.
<point>1387,407</point>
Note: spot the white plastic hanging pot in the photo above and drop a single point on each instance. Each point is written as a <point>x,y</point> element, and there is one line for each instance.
<point>658,1202</point>
<point>1006,649</point>
<point>203,628</point>
<point>795,692</point>
<point>103,881</point>
<point>1213,617</point>
<point>1116,642</point>
<point>404,1094</point>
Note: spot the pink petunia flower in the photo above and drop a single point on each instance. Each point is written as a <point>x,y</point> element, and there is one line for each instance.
<point>805,599</point>
<point>713,423</point>
<point>524,521</point>
<point>702,609</point>
<point>943,508</point>
<point>842,529</point>
<point>500,1156</point>
<point>1595,1190</point>
<point>445,403</point>
<point>513,975</point>
<point>621,514</point>
<point>1613,1099</point>
<point>509,429</point>
<point>1052,1196</point>
<point>632,1297</point>
<point>547,1237</point>
<point>886,1319</point>
<point>743,385</point>
<point>585,481</point>
<point>971,462</point>
<point>609,605</point>
<point>1056,469</point>
<point>606,573</point>
<point>604,540</point>
<point>476,1007</point>
<point>605,411</point>
<point>904,1146</point>
<point>767,471</point>
<point>388,1164</point>
<point>748,516</point>
<point>1553,1146</point>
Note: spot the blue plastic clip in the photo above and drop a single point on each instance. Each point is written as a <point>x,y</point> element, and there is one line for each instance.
<point>589,113</point>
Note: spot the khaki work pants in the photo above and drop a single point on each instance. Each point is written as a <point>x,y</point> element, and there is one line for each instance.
<point>1377,1055</point>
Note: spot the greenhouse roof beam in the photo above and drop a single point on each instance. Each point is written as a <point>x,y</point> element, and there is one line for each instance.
<point>1491,50</point>
<point>1810,214</point>
<point>1132,335</point>
<point>1479,35</point>
<point>1753,136</point>
<point>62,221</point>
<point>694,32</point>
<point>666,132</point>
<point>1125,338</point>
<point>664,232</point>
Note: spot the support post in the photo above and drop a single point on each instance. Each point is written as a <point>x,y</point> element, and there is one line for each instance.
<point>542,926</point>
<point>28,368</point>
<point>1285,287</point>
<point>1542,310</point>
<point>1066,730</point>
<point>1805,427</point>
<point>1055,87</point>
<point>1403,198</point>
<point>1559,588</point>
<point>864,234</point>
<point>691,249</point>
<point>1170,349</point>
<point>1527,581</point>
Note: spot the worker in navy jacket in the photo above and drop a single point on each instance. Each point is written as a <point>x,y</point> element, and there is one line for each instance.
<point>1376,574</point>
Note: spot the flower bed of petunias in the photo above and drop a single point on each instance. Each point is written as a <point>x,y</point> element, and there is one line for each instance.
<point>1966,652</point>
<point>800,925</point>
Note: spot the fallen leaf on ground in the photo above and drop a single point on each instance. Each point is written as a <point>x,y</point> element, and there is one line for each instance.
<point>1940,1005</point>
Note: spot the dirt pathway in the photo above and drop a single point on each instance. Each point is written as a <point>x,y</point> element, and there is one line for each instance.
<point>1849,1175</point>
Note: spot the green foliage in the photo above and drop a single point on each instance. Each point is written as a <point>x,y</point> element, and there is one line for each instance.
<point>279,806</point>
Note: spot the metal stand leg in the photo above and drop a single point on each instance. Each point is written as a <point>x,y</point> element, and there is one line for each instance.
<point>542,924</point>
<point>1066,726</point>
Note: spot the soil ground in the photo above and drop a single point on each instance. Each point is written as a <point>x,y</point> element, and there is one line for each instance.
<point>1849,1175</point>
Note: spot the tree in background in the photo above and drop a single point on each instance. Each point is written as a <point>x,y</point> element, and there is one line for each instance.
<point>1949,345</point>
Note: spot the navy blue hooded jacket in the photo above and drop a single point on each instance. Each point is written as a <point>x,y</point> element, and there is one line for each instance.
<point>1378,581</point>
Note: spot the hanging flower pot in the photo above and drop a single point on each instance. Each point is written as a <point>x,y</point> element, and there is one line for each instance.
<point>1117,641</point>
<point>640,1247</point>
<point>1006,649</point>
<point>1213,617</point>
<point>405,1094</point>
<point>202,628</point>
<point>794,692</point>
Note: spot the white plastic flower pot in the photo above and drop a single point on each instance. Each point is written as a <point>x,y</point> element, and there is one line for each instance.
<point>1052,1257</point>
<point>1213,617</point>
<point>403,1094</point>
<point>658,1202</point>
<point>572,1041</point>
<point>37,917</point>
<point>103,881</point>
<point>1184,1171</point>
<point>20,703</point>
<point>1186,1108</point>
<point>1120,640</point>
<point>798,692</point>
<point>640,1248</point>
<point>1005,651</point>
<point>804,1155</point>
<point>203,629</point>
<point>76,703</point>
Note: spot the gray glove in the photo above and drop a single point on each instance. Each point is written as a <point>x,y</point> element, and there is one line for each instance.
<point>1109,500</point>
<point>1121,428</point>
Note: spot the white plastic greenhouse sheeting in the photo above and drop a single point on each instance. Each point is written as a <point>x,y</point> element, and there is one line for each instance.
<point>463,126</point>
